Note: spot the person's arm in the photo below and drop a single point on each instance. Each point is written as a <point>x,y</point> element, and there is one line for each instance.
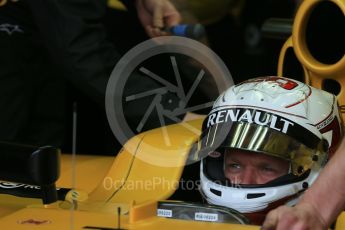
<point>320,204</point>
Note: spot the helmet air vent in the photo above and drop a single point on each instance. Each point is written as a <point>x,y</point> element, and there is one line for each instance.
<point>255,195</point>
<point>216,192</point>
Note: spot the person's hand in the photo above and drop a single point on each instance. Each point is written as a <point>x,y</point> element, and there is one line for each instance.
<point>155,15</point>
<point>303,216</point>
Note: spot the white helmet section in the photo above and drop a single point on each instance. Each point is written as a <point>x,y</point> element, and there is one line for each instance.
<point>309,107</point>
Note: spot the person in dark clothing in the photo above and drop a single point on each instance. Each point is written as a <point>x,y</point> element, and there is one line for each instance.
<point>43,43</point>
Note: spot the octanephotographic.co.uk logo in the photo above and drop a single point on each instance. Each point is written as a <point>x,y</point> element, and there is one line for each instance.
<point>155,84</point>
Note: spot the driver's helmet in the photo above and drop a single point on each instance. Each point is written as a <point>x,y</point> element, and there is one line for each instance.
<point>272,116</point>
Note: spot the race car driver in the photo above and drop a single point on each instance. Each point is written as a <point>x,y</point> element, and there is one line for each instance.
<point>264,143</point>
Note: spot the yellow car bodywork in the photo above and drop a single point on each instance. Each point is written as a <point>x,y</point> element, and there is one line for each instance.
<point>102,184</point>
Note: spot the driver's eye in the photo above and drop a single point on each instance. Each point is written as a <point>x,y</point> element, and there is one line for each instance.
<point>269,169</point>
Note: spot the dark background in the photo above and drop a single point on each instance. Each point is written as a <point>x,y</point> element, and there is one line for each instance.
<point>238,42</point>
